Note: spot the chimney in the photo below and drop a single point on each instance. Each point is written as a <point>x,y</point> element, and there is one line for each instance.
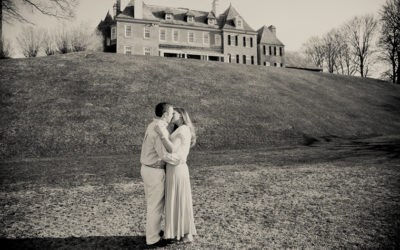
<point>272,29</point>
<point>215,6</point>
<point>117,8</point>
<point>138,12</point>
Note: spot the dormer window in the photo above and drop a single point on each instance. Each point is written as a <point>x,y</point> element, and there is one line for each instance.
<point>169,17</point>
<point>211,21</point>
<point>190,19</point>
<point>239,23</point>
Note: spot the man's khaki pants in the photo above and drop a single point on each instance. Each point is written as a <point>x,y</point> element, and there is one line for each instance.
<point>154,180</point>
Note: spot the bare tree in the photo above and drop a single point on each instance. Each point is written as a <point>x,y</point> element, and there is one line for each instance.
<point>29,41</point>
<point>331,45</point>
<point>314,50</point>
<point>63,40</point>
<point>49,42</point>
<point>11,10</point>
<point>84,38</point>
<point>344,58</point>
<point>361,33</point>
<point>77,38</point>
<point>390,38</point>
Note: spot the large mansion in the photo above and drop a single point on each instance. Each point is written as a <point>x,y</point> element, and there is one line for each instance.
<point>142,29</point>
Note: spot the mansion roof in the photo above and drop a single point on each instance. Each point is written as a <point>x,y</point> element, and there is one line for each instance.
<point>157,13</point>
<point>266,36</point>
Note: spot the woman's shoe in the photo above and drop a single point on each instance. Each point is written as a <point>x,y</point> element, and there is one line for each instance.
<point>188,238</point>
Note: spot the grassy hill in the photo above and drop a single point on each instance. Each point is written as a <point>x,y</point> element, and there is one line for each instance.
<point>96,103</point>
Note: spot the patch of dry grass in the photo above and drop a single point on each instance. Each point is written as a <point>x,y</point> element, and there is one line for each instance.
<point>319,197</point>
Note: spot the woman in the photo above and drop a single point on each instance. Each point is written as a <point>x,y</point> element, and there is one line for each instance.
<point>179,220</point>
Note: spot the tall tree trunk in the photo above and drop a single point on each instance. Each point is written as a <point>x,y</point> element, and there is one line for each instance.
<point>394,64</point>
<point>398,66</point>
<point>362,66</point>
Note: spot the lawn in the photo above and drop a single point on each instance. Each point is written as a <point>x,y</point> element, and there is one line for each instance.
<point>333,194</point>
<point>100,103</point>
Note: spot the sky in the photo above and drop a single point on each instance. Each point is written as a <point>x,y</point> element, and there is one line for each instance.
<point>295,20</point>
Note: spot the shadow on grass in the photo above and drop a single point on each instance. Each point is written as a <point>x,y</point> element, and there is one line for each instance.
<point>94,242</point>
<point>357,146</point>
<point>388,148</point>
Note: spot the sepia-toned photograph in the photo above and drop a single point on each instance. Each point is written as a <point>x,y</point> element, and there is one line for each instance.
<point>199,124</point>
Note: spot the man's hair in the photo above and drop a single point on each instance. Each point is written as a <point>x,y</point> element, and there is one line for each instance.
<point>161,108</point>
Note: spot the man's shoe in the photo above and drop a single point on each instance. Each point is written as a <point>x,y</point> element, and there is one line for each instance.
<point>161,234</point>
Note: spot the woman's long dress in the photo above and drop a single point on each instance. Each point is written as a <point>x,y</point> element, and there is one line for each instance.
<point>179,219</point>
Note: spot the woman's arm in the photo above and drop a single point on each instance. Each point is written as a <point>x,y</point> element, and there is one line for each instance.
<point>164,135</point>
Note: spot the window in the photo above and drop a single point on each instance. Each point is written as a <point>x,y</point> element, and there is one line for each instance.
<point>280,51</point>
<point>274,51</point>
<point>237,58</point>
<point>275,64</point>
<point>244,59</point>
<point>147,32</point>
<point>230,58</point>
<point>281,64</point>
<point>191,37</point>
<point>270,50</point>
<point>176,35</point>
<point>237,40</point>
<point>244,41</point>
<point>128,50</point>
<point>190,19</point>
<point>211,21</point>
<point>128,31</point>
<point>168,17</point>
<point>217,39</point>
<point>147,51</point>
<point>113,33</point>
<point>163,35</point>
<point>264,50</point>
<point>251,42</point>
<point>239,23</point>
<point>252,59</point>
<point>229,39</point>
<point>206,38</point>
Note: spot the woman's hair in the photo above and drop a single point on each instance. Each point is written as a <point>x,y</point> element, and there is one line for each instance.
<point>188,122</point>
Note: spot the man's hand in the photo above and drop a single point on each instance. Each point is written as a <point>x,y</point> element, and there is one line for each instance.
<point>161,131</point>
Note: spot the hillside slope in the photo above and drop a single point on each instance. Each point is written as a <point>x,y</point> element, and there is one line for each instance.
<point>101,103</point>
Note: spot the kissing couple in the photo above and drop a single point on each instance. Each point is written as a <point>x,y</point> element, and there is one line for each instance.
<point>165,175</point>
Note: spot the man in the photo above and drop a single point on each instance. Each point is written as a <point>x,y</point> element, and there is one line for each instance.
<point>153,174</point>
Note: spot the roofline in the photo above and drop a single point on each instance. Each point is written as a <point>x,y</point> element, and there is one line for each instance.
<point>240,31</point>
<point>264,43</point>
<point>188,27</point>
<point>176,8</point>
<point>132,20</point>
<point>144,21</point>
